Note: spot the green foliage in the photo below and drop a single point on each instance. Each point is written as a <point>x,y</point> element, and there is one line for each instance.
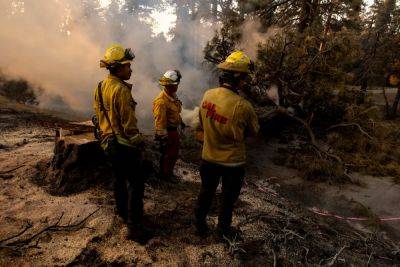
<point>312,56</point>
<point>320,52</point>
<point>302,157</point>
<point>307,76</point>
<point>321,44</point>
<point>225,40</point>
<point>378,156</point>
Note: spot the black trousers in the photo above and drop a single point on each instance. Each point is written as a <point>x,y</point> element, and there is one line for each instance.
<point>129,182</point>
<point>232,181</point>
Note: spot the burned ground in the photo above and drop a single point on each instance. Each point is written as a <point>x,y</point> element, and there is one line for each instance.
<point>276,229</point>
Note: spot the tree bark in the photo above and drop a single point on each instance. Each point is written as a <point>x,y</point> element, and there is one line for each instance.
<point>308,13</point>
<point>78,163</point>
<point>304,15</point>
<point>395,104</point>
<point>327,27</point>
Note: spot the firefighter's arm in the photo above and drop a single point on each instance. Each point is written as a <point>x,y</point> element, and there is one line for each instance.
<point>199,130</point>
<point>126,109</point>
<point>252,126</point>
<point>182,124</point>
<point>160,118</point>
<point>180,121</point>
<point>96,101</point>
<point>96,116</point>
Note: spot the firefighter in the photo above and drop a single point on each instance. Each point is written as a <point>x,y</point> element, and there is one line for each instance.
<point>226,120</point>
<point>167,121</point>
<point>121,139</point>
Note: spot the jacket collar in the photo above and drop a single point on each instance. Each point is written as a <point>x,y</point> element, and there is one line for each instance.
<point>171,98</point>
<point>112,77</point>
<point>230,88</point>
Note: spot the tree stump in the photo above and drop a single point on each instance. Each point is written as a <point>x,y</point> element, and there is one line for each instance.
<point>79,163</point>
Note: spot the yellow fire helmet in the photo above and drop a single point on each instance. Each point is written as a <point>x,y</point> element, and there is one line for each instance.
<point>171,77</point>
<point>237,62</point>
<point>116,54</point>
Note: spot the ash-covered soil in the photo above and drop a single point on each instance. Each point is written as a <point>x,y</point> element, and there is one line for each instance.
<point>276,230</point>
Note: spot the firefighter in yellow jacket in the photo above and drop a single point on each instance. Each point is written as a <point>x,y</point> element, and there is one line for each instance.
<point>226,120</point>
<point>121,139</point>
<point>167,119</point>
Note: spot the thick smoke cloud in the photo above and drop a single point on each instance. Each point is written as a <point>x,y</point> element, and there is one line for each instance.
<point>252,37</point>
<point>57,45</point>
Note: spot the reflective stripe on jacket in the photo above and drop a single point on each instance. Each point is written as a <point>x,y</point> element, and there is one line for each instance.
<point>120,106</point>
<point>166,112</point>
<point>226,119</point>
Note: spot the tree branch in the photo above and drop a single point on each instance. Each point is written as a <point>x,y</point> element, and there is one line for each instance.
<point>18,234</point>
<point>13,169</point>
<point>55,227</point>
<point>351,124</point>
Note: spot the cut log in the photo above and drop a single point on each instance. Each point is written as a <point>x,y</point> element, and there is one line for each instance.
<point>79,163</point>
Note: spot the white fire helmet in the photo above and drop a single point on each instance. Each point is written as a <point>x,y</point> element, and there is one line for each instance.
<point>171,77</point>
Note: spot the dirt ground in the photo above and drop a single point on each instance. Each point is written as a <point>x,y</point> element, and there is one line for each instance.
<point>278,228</point>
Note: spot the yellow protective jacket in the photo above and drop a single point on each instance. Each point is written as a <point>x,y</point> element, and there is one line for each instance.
<point>120,106</point>
<point>226,119</point>
<point>166,112</point>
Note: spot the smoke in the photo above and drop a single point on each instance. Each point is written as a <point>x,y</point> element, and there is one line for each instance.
<point>191,117</point>
<point>58,44</point>
<point>252,37</point>
<point>272,94</point>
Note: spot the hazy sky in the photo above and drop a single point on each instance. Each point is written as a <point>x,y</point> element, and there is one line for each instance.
<point>59,50</point>
<point>26,28</point>
<point>165,20</point>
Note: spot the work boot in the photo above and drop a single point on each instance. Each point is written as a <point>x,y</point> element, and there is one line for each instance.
<point>230,233</point>
<point>202,229</point>
<point>139,233</point>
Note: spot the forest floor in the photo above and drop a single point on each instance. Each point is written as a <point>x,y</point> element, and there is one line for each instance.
<point>276,213</point>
